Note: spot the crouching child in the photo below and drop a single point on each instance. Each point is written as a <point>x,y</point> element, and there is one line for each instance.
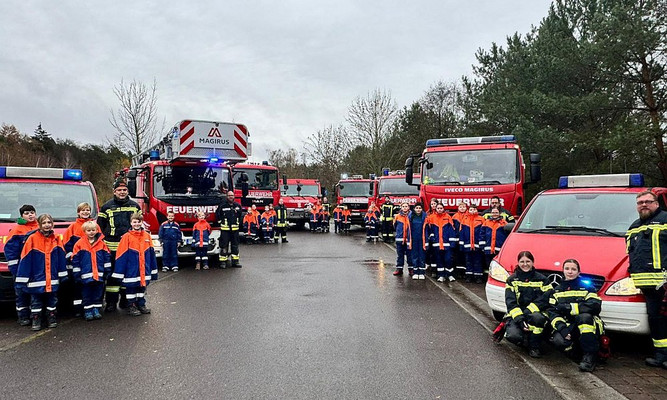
<point>136,265</point>
<point>91,262</point>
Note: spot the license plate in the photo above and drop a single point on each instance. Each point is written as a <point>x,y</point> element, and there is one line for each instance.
<point>356,214</point>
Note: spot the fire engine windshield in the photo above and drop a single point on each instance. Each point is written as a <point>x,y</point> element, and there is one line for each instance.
<point>580,214</point>
<point>397,186</point>
<point>59,200</point>
<point>478,167</point>
<point>306,190</point>
<point>190,181</point>
<point>263,179</point>
<point>354,189</point>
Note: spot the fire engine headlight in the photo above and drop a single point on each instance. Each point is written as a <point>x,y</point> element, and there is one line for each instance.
<point>623,287</point>
<point>156,243</point>
<point>497,272</point>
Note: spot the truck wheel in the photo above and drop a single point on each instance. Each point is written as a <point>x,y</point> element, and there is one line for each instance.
<point>498,315</point>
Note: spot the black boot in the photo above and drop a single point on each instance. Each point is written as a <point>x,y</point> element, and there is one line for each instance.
<point>51,319</point>
<point>658,360</point>
<point>133,310</point>
<point>144,309</point>
<point>36,321</point>
<point>24,321</point>
<point>587,363</point>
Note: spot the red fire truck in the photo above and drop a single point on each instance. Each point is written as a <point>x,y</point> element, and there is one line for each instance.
<point>393,185</point>
<point>298,195</point>
<point>187,172</point>
<point>472,170</point>
<point>356,193</point>
<point>54,191</point>
<point>262,180</point>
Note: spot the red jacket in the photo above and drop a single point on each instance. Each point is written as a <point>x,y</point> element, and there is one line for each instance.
<point>135,259</point>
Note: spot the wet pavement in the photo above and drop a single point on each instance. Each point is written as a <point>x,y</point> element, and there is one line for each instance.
<point>319,317</point>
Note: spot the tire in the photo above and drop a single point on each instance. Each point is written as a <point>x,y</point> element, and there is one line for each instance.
<point>498,315</point>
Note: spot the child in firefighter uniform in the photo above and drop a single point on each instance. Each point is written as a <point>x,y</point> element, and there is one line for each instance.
<point>429,255</point>
<point>345,219</point>
<point>40,271</point>
<point>26,223</point>
<point>472,243</point>
<point>268,221</point>
<point>316,215</point>
<point>201,232</point>
<point>72,235</point>
<point>494,235</point>
<point>417,218</point>
<point>91,262</point>
<point>526,303</point>
<point>170,236</point>
<point>387,219</point>
<point>371,222</point>
<point>281,222</point>
<point>337,213</point>
<point>439,234</point>
<point>136,265</point>
<point>459,218</point>
<point>403,239</point>
<point>251,225</point>
<point>574,313</point>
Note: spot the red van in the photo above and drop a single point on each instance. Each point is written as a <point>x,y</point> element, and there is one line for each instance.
<point>585,218</point>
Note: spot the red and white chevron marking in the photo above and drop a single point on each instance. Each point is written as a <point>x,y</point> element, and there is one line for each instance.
<point>187,136</point>
<point>241,140</point>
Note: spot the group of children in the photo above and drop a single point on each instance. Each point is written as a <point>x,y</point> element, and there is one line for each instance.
<point>436,240</point>
<point>262,227</point>
<point>342,217</point>
<point>40,260</point>
<point>319,216</point>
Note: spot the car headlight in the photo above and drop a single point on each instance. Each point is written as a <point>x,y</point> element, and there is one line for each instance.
<point>623,287</point>
<point>156,243</point>
<point>497,272</point>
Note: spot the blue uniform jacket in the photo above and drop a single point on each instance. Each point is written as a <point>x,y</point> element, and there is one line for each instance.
<point>42,264</point>
<point>403,233</point>
<point>417,229</point>
<point>14,244</point>
<point>136,264</point>
<point>91,262</point>
<point>170,231</point>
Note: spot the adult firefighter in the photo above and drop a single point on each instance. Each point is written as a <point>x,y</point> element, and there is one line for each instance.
<point>387,212</point>
<point>114,221</point>
<point>281,222</point>
<point>229,216</point>
<point>646,242</point>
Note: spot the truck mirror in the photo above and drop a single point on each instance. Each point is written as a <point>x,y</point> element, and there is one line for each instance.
<point>244,187</point>
<point>409,163</point>
<point>286,187</point>
<point>535,167</point>
<point>341,187</point>
<point>132,187</point>
<point>285,180</point>
<point>298,188</point>
<point>370,188</point>
<point>132,174</point>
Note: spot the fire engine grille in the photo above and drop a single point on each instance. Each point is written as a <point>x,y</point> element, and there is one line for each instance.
<point>357,206</point>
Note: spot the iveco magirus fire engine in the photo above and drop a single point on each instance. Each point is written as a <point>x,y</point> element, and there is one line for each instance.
<point>187,172</point>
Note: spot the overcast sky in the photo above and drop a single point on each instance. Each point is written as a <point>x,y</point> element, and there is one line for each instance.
<point>285,68</point>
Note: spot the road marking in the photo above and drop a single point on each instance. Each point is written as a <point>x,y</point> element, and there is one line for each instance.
<point>566,380</point>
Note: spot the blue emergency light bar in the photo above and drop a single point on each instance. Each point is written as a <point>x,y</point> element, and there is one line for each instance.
<point>470,140</point>
<point>385,171</point>
<point>41,173</point>
<point>154,155</point>
<point>213,160</point>
<point>606,180</point>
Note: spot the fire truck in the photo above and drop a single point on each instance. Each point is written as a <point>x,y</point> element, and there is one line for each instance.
<point>187,172</point>
<point>53,191</point>
<point>356,193</point>
<point>472,170</point>
<point>585,218</point>
<point>262,180</point>
<point>392,184</point>
<point>298,195</point>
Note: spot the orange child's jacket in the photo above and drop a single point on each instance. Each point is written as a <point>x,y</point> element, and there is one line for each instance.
<point>136,264</point>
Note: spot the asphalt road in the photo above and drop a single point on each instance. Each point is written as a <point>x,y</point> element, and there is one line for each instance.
<point>319,317</point>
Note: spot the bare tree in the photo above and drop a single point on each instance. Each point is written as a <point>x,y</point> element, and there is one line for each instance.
<point>371,120</point>
<point>441,104</point>
<point>135,119</point>
<point>326,150</point>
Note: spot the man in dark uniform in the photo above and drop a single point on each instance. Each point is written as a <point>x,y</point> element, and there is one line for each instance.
<point>646,242</point>
<point>504,214</point>
<point>387,212</point>
<point>326,214</point>
<point>281,222</point>
<point>114,220</point>
<point>229,215</point>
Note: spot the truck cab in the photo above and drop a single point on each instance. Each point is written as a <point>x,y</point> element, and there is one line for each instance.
<point>54,191</point>
<point>356,193</point>
<point>298,196</point>
<point>262,181</point>
<point>585,218</point>
<point>187,172</point>
<point>393,185</point>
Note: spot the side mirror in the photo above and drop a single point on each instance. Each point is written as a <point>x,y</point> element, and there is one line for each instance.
<point>132,186</point>
<point>409,163</point>
<point>132,174</point>
<point>285,181</point>
<point>244,187</point>
<point>286,187</point>
<point>298,188</point>
<point>341,187</point>
<point>370,188</point>
<point>535,168</point>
